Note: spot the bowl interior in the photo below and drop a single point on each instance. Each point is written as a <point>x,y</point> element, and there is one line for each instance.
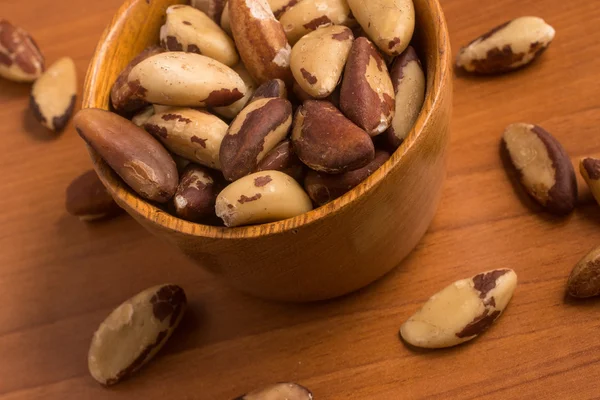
<point>136,26</point>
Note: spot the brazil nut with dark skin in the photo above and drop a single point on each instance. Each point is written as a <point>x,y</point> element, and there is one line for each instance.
<point>270,89</point>
<point>327,141</point>
<point>283,158</point>
<point>253,133</point>
<point>88,199</point>
<point>590,170</point>
<point>20,58</point>
<point>139,159</point>
<point>196,194</point>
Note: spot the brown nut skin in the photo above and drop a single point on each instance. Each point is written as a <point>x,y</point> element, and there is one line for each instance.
<point>590,170</point>
<point>270,89</point>
<point>279,391</point>
<point>212,8</point>
<point>20,58</point>
<point>584,280</point>
<point>139,159</point>
<point>324,188</point>
<point>327,141</point>
<point>196,195</point>
<point>543,166</point>
<point>88,199</point>
<point>283,158</point>
<point>232,110</point>
<point>252,134</point>
<point>260,40</point>
<point>124,96</point>
<point>367,94</point>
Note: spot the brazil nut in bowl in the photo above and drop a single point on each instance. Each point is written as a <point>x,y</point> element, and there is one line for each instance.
<point>305,173</point>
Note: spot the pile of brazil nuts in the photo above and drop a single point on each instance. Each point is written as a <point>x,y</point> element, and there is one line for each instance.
<point>264,117</point>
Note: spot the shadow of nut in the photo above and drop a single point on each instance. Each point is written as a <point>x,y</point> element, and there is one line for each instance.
<point>134,332</point>
<point>88,199</point>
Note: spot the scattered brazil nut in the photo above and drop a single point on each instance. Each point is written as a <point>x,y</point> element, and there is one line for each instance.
<point>53,95</point>
<point>265,196</point>
<point>192,134</point>
<point>270,89</point>
<point>139,159</point>
<point>584,280</point>
<point>254,132</point>
<point>20,58</point>
<point>509,46</point>
<point>367,93</point>
<point>543,166</point>
<point>134,332</point>
<point>213,8</point>
<point>388,23</point>
<point>309,15</point>
<point>318,59</point>
<point>283,158</point>
<point>279,391</point>
<point>260,40</point>
<point>186,80</point>
<point>232,110</point>
<point>88,199</point>
<point>461,311</point>
<point>189,29</point>
<point>323,188</point>
<point>196,195</point>
<point>590,170</point>
<point>327,141</point>
<point>409,83</point>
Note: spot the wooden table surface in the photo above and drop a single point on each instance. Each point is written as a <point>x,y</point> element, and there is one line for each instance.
<point>59,278</point>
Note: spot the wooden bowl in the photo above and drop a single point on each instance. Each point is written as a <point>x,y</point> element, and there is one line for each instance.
<point>332,250</point>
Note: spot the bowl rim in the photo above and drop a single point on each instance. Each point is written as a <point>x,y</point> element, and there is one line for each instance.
<point>148,211</point>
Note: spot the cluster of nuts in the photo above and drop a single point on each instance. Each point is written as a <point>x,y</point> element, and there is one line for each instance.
<point>226,119</point>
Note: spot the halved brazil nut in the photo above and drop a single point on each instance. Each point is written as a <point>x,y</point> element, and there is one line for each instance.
<point>389,23</point>
<point>53,95</point>
<point>186,80</point>
<point>283,158</point>
<point>590,170</point>
<point>367,94</point>
<point>192,134</point>
<point>232,110</point>
<point>584,280</point>
<point>260,40</point>
<point>20,58</point>
<point>461,311</point>
<point>196,195</point>
<point>270,89</point>
<point>279,391</point>
<point>261,197</point>
<point>327,141</point>
<point>318,59</point>
<point>134,332</point>
<point>409,87</point>
<point>213,8</point>
<point>509,46</point>
<point>252,134</point>
<point>189,29</point>
<point>88,199</point>
<point>139,159</point>
<point>543,165</point>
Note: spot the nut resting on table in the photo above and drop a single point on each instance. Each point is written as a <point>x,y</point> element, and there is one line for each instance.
<point>268,118</point>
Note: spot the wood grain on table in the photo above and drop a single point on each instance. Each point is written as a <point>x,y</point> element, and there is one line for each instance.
<point>59,278</point>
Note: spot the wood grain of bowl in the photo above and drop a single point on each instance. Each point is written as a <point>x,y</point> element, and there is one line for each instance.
<point>327,252</point>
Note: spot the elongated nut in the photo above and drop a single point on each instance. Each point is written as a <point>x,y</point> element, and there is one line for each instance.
<point>252,134</point>
<point>409,87</point>
<point>265,196</point>
<point>53,95</point>
<point>270,89</point>
<point>318,59</point>
<point>143,116</point>
<point>232,110</point>
<point>126,97</point>
<point>584,280</point>
<point>280,6</point>
<point>590,170</point>
<point>192,134</point>
<point>309,15</point>
<point>389,23</point>
<point>88,199</point>
<point>20,58</point>
<point>196,195</point>
<point>543,165</point>
<point>213,8</point>
<point>367,94</point>
<point>186,80</point>
<point>189,29</point>
<point>507,47</point>
<point>279,391</point>
<point>461,311</point>
<point>139,159</point>
<point>323,188</point>
<point>134,332</point>
<point>260,40</point>
<point>283,158</point>
<point>327,141</point>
